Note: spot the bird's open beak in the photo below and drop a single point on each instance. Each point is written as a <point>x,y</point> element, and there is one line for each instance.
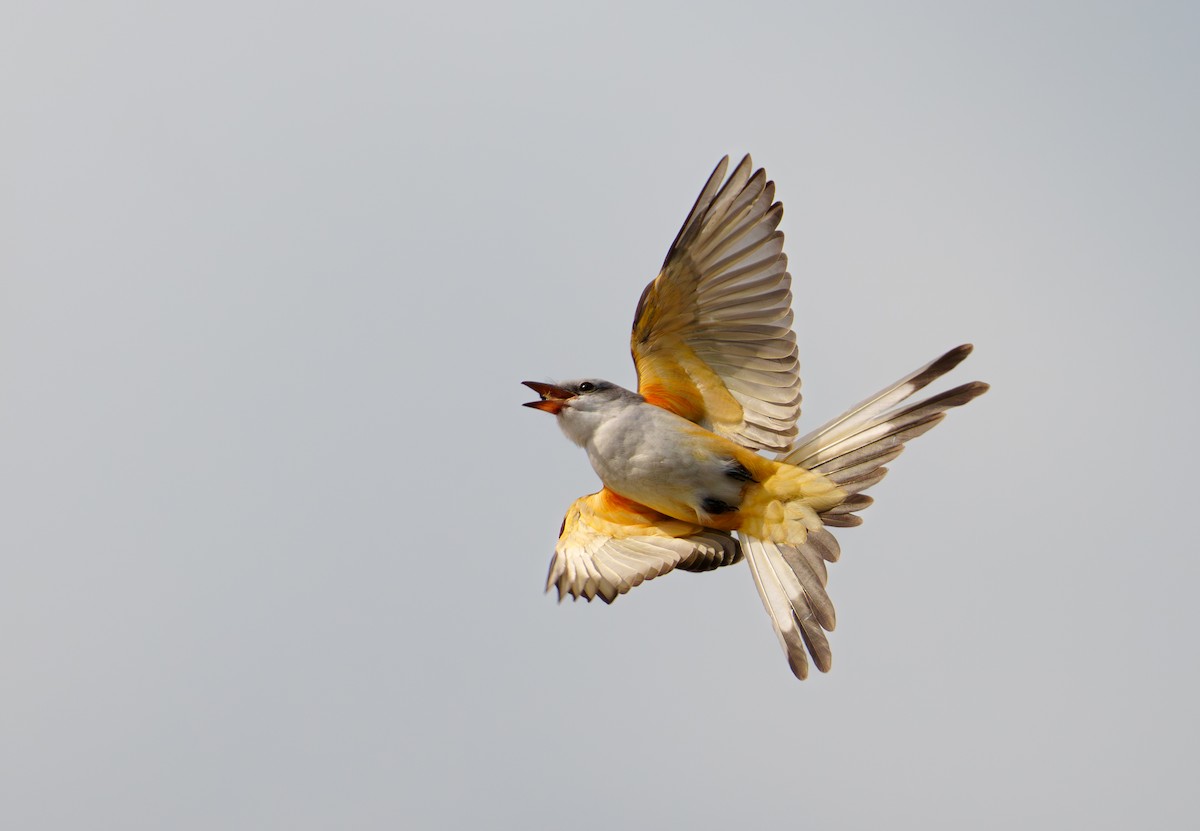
<point>553,398</point>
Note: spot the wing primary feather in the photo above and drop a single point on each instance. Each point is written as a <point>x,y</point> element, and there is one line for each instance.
<point>729,191</point>
<point>698,208</point>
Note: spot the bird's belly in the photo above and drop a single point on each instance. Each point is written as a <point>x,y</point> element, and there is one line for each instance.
<point>671,472</point>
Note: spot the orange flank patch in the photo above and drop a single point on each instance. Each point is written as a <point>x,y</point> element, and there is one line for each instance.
<point>612,503</point>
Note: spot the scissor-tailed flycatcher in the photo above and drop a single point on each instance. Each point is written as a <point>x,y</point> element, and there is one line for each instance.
<point>718,380</point>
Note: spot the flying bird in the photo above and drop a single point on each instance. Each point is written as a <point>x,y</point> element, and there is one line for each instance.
<point>681,459</point>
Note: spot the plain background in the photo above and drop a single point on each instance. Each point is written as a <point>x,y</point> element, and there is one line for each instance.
<point>273,525</point>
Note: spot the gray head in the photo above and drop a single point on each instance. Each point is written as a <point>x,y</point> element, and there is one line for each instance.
<point>581,405</point>
<point>586,394</point>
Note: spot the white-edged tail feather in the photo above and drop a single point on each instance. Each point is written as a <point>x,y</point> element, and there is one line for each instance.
<point>791,582</point>
<point>852,449</point>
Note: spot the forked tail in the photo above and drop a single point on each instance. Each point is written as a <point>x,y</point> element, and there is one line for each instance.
<point>851,450</point>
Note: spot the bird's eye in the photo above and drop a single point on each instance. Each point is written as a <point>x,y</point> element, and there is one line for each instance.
<point>587,386</point>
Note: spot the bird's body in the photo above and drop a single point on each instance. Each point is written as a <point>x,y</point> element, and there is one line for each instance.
<point>718,381</point>
<point>654,457</point>
<point>646,454</point>
<point>663,461</point>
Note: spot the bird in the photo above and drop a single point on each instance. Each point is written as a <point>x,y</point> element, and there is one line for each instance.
<point>701,466</point>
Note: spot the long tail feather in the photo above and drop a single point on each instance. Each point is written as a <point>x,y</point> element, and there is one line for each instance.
<point>791,582</point>
<point>851,451</point>
<point>865,411</point>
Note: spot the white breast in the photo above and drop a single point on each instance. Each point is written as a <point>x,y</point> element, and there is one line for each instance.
<point>657,458</point>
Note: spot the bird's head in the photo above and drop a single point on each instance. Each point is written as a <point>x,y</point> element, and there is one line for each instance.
<point>585,395</point>
<point>580,405</point>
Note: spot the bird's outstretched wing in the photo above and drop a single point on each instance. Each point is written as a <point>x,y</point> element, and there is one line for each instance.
<point>609,544</point>
<point>712,336</point>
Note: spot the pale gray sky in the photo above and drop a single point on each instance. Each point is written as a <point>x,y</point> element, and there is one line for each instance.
<point>273,525</point>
